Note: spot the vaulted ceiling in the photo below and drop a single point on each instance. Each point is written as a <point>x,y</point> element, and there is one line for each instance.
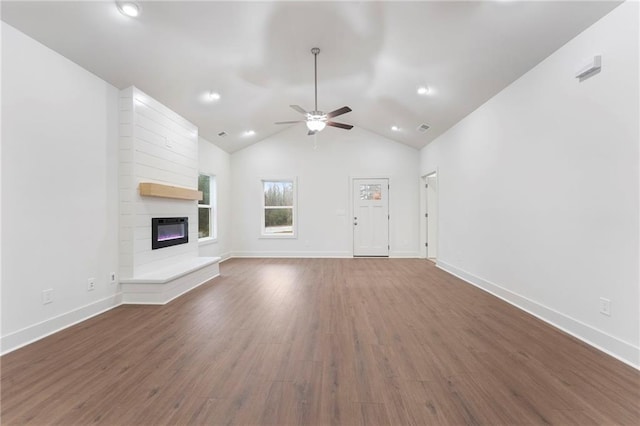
<point>256,55</point>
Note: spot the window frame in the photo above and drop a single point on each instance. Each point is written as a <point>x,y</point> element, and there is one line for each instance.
<point>213,210</point>
<point>294,209</point>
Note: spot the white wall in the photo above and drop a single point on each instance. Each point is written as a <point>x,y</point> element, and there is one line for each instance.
<point>214,161</point>
<point>324,222</point>
<point>156,145</point>
<point>538,189</point>
<point>59,190</point>
<point>1,205</point>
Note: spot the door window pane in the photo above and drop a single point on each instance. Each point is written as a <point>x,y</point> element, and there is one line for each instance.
<point>370,192</point>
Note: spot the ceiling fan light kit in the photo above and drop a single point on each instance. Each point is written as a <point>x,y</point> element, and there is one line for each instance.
<point>316,125</point>
<point>317,120</point>
<point>129,8</point>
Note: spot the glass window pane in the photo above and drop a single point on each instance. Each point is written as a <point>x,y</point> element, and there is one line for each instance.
<point>204,216</point>
<point>371,192</point>
<point>204,186</point>
<point>278,193</point>
<point>278,221</point>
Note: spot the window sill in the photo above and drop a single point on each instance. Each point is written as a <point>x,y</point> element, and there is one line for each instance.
<point>207,241</point>
<point>277,237</point>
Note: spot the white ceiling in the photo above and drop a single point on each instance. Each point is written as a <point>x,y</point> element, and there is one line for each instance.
<point>374,55</point>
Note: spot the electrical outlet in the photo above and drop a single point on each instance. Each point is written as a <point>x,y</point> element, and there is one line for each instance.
<point>605,306</point>
<point>112,278</point>
<point>91,284</point>
<point>47,296</point>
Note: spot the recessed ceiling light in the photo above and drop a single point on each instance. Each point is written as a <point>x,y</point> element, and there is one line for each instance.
<point>395,128</point>
<point>129,8</point>
<point>213,96</point>
<point>249,133</point>
<point>423,90</point>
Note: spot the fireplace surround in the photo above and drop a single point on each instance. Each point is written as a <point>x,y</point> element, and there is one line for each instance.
<point>169,231</point>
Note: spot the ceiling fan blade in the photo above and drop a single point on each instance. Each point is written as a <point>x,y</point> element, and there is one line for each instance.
<point>289,122</point>
<point>311,132</point>
<point>299,109</point>
<point>339,111</point>
<point>340,125</point>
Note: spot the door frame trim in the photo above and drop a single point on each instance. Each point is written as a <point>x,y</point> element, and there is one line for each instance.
<point>351,213</point>
<point>424,253</point>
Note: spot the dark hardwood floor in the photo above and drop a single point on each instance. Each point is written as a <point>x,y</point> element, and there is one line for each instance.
<point>318,341</point>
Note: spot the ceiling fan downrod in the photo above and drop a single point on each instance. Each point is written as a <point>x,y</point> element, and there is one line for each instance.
<point>315,51</point>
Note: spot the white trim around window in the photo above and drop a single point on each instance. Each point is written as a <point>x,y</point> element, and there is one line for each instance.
<point>207,210</point>
<point>279,201</point>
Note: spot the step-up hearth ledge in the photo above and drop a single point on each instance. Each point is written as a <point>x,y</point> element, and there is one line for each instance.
<point>165,284</point>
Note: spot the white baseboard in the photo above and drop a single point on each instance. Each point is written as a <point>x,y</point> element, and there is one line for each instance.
<point>298,254</point>
<point>225,256</point>
<point>316,254</point>
<point>600,340</point>
<point>32,333</point>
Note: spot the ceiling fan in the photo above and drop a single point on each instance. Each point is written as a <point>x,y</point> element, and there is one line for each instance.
<point>317,120</point>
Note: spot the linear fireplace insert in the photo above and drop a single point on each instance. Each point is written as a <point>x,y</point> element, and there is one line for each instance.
<point>169,231</point>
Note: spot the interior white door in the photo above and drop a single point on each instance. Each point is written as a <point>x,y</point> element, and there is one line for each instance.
<point>371,217</point>
<point>432,216</point>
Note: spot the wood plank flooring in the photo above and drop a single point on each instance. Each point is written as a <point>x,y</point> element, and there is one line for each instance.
<point>318,342</point>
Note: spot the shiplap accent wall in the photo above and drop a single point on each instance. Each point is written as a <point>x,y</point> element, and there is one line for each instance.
<point>156,145</point>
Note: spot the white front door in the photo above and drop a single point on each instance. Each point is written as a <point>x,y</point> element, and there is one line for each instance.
<point>371,217</point>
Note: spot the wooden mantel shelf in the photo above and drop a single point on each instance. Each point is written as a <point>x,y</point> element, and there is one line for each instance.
<point>149,189</point>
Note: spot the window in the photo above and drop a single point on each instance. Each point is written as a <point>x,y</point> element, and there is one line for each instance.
<point>279,208</point>
<point>207,207</point>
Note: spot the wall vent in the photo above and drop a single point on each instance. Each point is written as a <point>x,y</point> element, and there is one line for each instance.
<point>423,128</point>
<point>222,134</point>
